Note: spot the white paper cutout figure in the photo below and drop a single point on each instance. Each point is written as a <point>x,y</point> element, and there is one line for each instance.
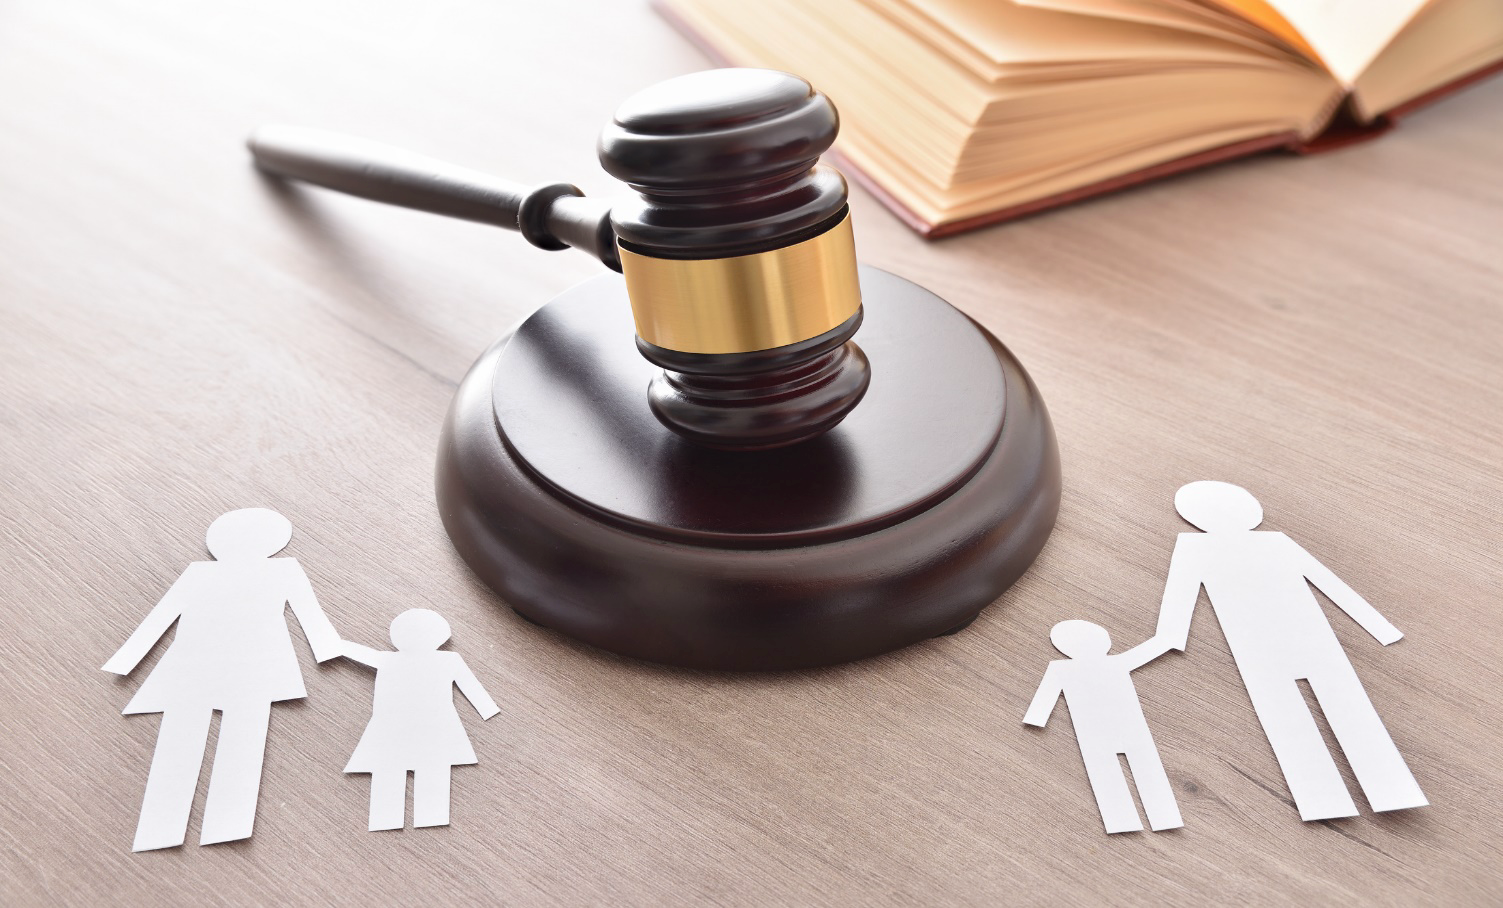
<point>232,653</point>
<point>1278,635</point>
<point>414,726</point>
<point>1108,721</point>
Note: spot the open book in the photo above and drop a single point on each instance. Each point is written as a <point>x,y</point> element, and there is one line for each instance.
<point>960,113</point>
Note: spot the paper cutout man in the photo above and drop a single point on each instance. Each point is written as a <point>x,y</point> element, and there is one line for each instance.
<point>1278,634</point>
<point>231,653</point>
<point>414,726</point>
<point>1108,721</point>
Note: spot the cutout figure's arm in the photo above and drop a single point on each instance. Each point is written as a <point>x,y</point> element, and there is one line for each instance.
<point>322,638</point>
<point>1347,599</point>
<point>130,653</point>
<point>1180,592</point>
<point>362,654</point>
<point>1143,653</point>
<point>1043,701</point>
<point>474,691</point>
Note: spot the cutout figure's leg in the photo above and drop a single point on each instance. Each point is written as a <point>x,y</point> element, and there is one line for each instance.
<point>1309,770</point>
<point>1110,788</point>
<point>235,781</point>
<point>388,800</point>
<point>430,796</point>
<point>1154,789</point>
<point>1375,760</point>
<point>173,779</point>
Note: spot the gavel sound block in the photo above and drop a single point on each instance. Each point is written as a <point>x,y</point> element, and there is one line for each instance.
<point>745,451</point>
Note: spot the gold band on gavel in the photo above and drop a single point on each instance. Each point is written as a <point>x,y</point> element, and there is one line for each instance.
<point>745,302</point>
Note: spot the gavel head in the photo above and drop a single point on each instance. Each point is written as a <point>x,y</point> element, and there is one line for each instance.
<point>738,257</point>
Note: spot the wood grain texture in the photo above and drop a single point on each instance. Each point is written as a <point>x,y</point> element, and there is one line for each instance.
<point>181,337</point>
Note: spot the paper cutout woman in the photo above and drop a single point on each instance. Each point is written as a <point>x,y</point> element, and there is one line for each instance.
<point>414,726</point>
<point>1259,587</point>
<point>231,653</point>
<point>1108,721</point>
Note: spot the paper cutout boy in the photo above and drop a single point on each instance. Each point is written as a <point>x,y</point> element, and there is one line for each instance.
<point>1108,721</point>
<point>414,726</point>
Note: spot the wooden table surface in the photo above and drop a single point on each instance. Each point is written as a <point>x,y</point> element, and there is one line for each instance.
<point>182,337</point>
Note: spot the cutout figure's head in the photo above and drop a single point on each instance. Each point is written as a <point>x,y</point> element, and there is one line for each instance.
<point>1080,639</point>
<point>248,534</point>
<point>1218,507</point>
<point>418,630</point>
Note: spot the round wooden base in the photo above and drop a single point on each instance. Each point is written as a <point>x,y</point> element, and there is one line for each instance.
<point>565,494</point>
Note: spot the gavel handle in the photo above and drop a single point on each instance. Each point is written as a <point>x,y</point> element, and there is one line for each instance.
<point>554,216</point>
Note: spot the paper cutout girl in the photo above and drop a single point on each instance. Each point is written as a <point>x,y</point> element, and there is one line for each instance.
<point>1108,721</point>
<point>414,726</point>
<point>231,653</point>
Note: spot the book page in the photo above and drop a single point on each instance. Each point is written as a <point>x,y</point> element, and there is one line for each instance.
<point>1011,34</point>
<point>1249,22</point>
<point>1263,15</point>
<point>1347,34</point>
<point>1446,42</point>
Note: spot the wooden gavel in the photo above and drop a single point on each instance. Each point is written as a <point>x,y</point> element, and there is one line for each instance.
<point>778,524</point>
<point>738,256</point>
